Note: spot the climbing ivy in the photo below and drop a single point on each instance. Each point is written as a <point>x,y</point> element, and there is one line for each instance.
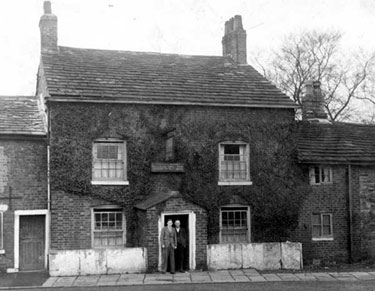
<point>278,183</point>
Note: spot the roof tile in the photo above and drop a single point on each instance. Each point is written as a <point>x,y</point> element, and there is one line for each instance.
<point>20,115</point>
<point>122,76</point>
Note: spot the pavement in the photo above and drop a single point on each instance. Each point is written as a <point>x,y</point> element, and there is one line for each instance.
<point>227,276</point>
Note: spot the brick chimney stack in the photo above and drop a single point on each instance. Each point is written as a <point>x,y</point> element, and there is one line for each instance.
<point>234,40</point>
<point>313,103</point>
<point>48,29</point>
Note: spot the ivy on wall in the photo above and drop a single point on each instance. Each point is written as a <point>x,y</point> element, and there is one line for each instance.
<point>278,189</point>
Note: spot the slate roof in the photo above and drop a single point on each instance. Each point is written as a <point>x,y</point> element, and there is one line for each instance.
<point>19,115</point>
<point>338,143</point>
<point>138,77</point>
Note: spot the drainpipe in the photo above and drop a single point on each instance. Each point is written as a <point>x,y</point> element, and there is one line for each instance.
<point>350,214</point>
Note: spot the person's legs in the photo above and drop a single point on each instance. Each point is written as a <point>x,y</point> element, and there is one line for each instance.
<point>179,257</point>
<point>164,259</point>
<point>182,257</point>
<point>171,259</point>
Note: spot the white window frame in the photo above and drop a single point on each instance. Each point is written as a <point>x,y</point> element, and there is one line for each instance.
<point>118,181</point>
<point>2,250</point>
<point>233,208</point>
<point>323,171</point>
<point>322,237</point>
<point>107,208</point>
<point>246,155</point>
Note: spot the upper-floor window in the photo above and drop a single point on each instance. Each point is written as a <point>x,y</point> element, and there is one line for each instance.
<point>235,224</point>
<point>322,226</point>
<point>320,175</point>
<point>109,162</point>
<point>108,227</point>
<point>234,168</point>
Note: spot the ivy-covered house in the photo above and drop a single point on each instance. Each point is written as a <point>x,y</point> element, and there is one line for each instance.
<point>336,221</point>
<point>136,138</point>
<point>23,185</point>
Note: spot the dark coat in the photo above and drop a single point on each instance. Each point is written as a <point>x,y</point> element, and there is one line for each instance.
<point>181,237</point>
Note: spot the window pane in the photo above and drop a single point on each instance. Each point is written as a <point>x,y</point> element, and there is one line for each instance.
<point>327,230</point>
<point>326,175</point>
<point>316,219</point>
<point>316,231</point>
<point>231,149</point>
<point>317,174</point>
<point>326,219</point>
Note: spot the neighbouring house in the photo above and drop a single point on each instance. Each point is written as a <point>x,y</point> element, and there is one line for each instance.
<point>24,230</point>
<point>136,138</point>
<point>336,221</point>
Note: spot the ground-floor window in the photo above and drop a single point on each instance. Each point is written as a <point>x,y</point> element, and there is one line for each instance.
<point>235,224</point>
<point>322,226</point>
<point>108,227</point>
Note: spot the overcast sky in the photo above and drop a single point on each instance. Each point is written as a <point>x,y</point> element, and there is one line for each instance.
<point>168,26</point>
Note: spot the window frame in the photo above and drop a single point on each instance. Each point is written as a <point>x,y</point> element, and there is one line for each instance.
<point>322,237</point>
<point>239,208</point>
<point>321,168</point>
<point>107,208</point>
<point>122,181</point>
<point>234,182</point>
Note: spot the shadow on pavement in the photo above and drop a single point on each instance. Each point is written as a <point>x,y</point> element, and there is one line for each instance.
<point>23,279</point>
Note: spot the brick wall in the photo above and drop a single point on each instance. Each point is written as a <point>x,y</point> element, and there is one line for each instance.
<point>175,205</point>
<point>331,198</point>
<point>23,176</point>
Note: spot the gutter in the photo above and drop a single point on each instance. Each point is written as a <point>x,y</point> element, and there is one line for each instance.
<point>154,102</point>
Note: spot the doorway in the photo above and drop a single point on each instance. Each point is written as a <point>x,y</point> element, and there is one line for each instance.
<point>187,219</point>
<point>184,219</point>
<point>32,242</point>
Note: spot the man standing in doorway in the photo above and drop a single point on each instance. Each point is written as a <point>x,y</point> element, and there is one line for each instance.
<point>181,245</point>
<point>168,241</point>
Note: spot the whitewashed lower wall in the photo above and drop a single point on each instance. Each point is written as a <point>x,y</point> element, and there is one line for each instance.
<point>261,256</point>
<point>97,261</point>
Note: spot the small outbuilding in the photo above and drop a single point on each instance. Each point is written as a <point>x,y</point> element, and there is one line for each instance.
<point>154,213</point>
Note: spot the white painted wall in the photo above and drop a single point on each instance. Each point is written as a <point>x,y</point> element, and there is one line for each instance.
<point>97,261</point>
<point>261,256</point>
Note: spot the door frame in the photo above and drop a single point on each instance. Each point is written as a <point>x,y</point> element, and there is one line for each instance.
<point>192,232</point>
<point>17,215</point>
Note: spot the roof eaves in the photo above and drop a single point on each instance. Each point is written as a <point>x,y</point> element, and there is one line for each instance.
<point>79,100</point>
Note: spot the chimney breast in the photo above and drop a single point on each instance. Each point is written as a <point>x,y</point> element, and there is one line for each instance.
<point>234,40</point>
<point>48,29</point>
<point>313,102</point>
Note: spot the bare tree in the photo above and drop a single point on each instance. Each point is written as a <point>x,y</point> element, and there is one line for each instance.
<point>318,56</point>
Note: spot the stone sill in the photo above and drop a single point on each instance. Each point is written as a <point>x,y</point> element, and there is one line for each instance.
<point>109,182</point>
<point>244,183</point>
<point>2,252</point>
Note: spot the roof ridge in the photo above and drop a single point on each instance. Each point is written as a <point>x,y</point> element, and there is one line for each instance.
<point>141,52</point>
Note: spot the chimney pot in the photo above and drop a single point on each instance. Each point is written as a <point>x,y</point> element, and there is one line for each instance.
<point>237,22</point>
<point>47,7</point>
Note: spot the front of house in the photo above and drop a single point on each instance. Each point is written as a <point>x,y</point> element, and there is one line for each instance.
<point>24,215</point>
<point>135,139</point>
<point>138,138</point>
